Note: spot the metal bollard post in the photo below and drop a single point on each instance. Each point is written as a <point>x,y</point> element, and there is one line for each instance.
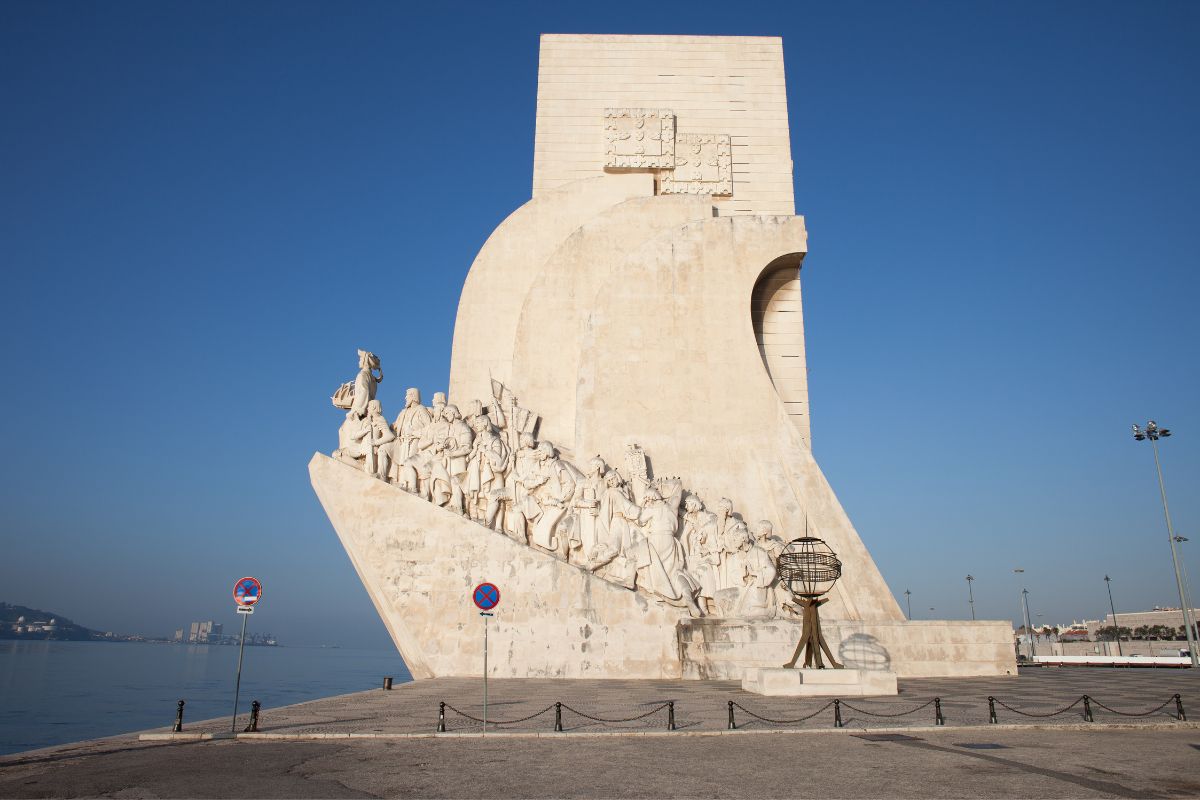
<point>387,682</point>
<point>253,726</point>
<point>732,724</point>
<point>837,713</point>
<point>1179,710</point>
<point>1087,709</point>
<point>179,716</point>
<point>558,717</point>
<point>441,718</point>
<point>991,710</point>
<point>938,719</point>
<point>670,715</point>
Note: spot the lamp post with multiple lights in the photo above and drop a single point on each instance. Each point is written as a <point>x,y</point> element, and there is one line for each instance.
<point>1025,614</point>
<point>1116,625</point>
<point>971,595</point>
<point>1153,433</point>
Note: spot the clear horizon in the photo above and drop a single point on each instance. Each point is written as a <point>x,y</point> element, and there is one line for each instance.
<point>209,208</point>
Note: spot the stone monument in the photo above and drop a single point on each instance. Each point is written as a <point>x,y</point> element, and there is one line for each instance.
<point>645,308</point>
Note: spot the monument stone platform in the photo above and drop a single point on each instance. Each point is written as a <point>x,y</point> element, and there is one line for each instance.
<point>645,307</point>
<point>785,682</point>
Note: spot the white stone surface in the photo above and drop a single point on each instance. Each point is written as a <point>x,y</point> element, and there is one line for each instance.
<point>781,682</point>
<point>714,85</point>
<point>623,315</point>
<point>721,649</point>
<point>420,563</point>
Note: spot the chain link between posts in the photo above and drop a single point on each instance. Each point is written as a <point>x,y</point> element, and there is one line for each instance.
<point>1133,713</point>
<point>1063,710</point>
<point>624,719</point>
<point>882,714</point>
<point>783,721</point>
<point>500,721</point>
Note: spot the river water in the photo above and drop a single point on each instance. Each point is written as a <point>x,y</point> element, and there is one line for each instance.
<point>58,692</point>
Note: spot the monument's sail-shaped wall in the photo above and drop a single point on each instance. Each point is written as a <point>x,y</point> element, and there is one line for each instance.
<point>648,294</point>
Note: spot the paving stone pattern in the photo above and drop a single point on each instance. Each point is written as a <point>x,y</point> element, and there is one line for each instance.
<point>527,705</point>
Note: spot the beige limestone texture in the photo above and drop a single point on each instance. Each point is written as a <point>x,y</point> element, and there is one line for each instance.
<point>620,315</point>
<point>722,649</point>
<point>780,682</point>
<point>420,564</point>
<point>715,85</point>
<point>507,265</point>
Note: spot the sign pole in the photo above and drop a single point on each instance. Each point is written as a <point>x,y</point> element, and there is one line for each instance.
<point>486,597</point>
<point>485,616</point>
<point>246,593</point>
<point>238,685</point>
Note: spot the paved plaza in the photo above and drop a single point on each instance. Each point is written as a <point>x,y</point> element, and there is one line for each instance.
<point>380,743</point>
<point>703,706</point>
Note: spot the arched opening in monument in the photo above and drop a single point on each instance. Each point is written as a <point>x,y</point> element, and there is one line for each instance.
<point>779,330</point>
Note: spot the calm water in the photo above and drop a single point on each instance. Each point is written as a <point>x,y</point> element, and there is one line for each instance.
<point>57,692</point>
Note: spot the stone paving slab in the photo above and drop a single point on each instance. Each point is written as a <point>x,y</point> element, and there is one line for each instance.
<point>1059,761</point>
<point>702,706</point>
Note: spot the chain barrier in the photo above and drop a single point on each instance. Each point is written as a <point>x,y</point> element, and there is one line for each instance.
<point>837,705</point>
<point>499,721</point>
<point>655,710</point>
<point>1135,713</point>
<point>881,714</point>
<point>1063,710</point>
<point>734,705</point>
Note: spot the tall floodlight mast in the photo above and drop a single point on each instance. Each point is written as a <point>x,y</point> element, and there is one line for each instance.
<point>1153,433</point>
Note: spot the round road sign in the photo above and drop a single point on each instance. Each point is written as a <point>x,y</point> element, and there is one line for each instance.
<point>247,591</point>
<point>486,596</point>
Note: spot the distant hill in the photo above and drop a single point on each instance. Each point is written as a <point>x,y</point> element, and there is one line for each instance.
<point>22,622</point>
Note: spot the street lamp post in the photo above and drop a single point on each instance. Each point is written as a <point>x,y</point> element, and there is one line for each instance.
<point>1113,608</point>
<point>1187,589</point>
<point>1154,433</point>
<point>971,595</point>
<point>1025,611</point>
<point>908,598</point>
<point>1028,627</point>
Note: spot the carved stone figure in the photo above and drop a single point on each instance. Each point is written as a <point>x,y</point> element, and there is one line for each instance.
<point>702,545</point>
<point>362,442</point>
<point>632,535</point>
<point>426,466</point>
<point>616,533</point>
<point>408,425</point>
<point>366,382</point>
<point>764,537</point>
<point>354,395</point>
<point>522,471</point>
<point>454,447</point>
<point>487,465</point>
<point>548,491</point>
<point>757,599</point>
<point>589,489</point>
<point>730,546</point>
<point>662,567</point>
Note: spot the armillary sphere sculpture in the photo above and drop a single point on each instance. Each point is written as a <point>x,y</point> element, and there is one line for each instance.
<point>809,568</point>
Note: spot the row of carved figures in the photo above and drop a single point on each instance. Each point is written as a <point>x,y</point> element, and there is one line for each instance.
<point>641,533</point>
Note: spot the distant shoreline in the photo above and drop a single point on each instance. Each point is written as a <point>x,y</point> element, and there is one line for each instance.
<point>116,640</point>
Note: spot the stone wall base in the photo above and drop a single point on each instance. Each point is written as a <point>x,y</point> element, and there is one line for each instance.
<point>722,649</point>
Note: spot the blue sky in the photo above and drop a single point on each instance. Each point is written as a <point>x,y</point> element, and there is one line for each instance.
<point>206,208</point>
